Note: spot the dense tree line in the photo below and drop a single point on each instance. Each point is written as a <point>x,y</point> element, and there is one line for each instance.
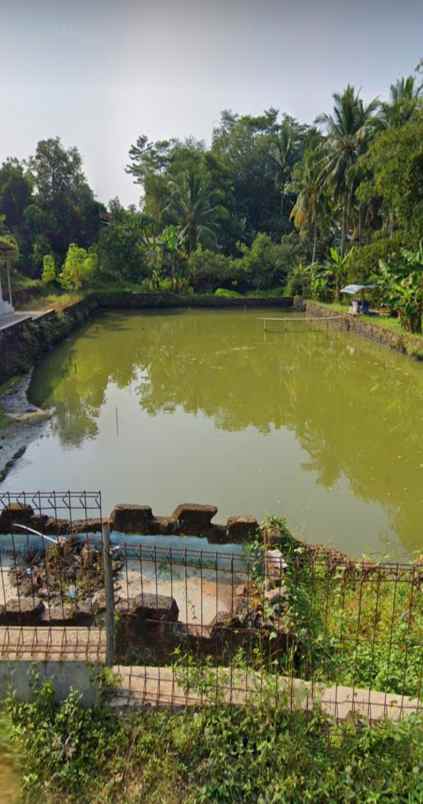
<point>271,203</point>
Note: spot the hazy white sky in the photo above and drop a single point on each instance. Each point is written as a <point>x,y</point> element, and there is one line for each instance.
<point>98,73</point>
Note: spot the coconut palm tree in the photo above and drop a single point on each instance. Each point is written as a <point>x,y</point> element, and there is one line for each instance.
<point>194,208</point>
<point>310,203</point>
<point>405,98</point>
<point>348,129</point>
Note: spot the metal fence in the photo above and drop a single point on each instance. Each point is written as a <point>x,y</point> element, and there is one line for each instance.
<point>184,627</point>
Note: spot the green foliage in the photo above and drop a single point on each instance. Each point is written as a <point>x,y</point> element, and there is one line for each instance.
<point>266,264</point>
<point>218,754</point>
<point>62,746</point>
<point>49,274</point>
<point>402,283</point>
<point>227,294</point>
<point>395,162</point>
<point>210,270</point>
<point>122,247</point>
<point>299,282</point>
<point>364,261</point>
<point>78,268</point>
<point>268,193</point>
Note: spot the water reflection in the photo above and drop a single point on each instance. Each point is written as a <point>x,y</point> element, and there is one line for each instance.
<point>354,409</point>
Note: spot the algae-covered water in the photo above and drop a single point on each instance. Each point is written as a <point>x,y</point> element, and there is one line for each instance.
<point>204,406</point>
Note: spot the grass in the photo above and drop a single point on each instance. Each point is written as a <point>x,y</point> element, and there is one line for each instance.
<point>47,300</point>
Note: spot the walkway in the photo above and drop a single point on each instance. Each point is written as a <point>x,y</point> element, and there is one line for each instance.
<point>141,686</point>
<point>10,320</point>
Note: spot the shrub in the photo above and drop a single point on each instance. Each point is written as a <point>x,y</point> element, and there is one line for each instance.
<point>49,274</point>
<point>227,294</point>
<point>218,754</point>
<point>210,270</point>
<point>299,282</point>
<point>78,268</point>
<point>267,264</point>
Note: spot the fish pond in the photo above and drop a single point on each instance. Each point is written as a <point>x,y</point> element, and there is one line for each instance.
<point>207,406</point>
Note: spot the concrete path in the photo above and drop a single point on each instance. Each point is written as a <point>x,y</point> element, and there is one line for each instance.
<point>161,686</point>
<point>141,686</point>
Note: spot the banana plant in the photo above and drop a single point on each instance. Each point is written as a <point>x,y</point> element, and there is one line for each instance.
<point>402,283</point>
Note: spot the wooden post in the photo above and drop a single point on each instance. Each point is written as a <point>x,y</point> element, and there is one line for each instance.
<point>108,590</point>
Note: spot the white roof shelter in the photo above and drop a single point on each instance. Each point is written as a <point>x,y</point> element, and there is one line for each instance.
<point>352,290</point>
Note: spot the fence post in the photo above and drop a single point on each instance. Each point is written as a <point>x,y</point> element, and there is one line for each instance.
<point>108,590</point>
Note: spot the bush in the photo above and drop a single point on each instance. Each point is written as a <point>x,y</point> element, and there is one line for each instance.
<point>49,274</point>
<point>79,267</point>
<point>218,754</point>
<point>210,270</point>
<point>299,282</point>
<point>227,294</point>
<point>266,264</point>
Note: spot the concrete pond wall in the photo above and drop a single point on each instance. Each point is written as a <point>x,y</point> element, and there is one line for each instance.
<point>405,343</point>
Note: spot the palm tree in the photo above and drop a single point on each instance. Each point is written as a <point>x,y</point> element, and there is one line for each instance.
<point>286,148</point>
<point>348,132</point>
<point>309,204</point>
<point>405,98</point>
<point>193,207</point>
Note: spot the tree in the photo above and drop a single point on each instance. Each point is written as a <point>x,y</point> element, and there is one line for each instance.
<point>259,154</point>
<point>63,209</point>
<point>195,209</point>
<point>78,268</point>
<point>349,130</point>
<point>394,163</point>
<point>123,244</point>
<point>15,193</point>
<point>310,205</point>
<point>405,99</point>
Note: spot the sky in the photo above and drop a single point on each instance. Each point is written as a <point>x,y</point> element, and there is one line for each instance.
<point>98,73</point>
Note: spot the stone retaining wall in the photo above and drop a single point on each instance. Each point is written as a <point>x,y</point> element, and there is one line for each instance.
<point>188,518</point>
<point>23,343</point>
<point>410,345</point>
<point>139,301</point>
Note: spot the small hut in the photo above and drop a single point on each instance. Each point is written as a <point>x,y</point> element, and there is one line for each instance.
<point>359,300</point>
<point>7,255</point>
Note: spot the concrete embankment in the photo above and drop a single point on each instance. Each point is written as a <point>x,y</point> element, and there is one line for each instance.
<point>405,343</point>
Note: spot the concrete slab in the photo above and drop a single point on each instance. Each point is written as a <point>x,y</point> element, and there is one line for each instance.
<point>10,320</point>
<point>161,686</point>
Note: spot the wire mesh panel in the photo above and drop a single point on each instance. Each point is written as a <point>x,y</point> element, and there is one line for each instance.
<point>197,626</point>
<point>296,626</point>
<point>51,576</point>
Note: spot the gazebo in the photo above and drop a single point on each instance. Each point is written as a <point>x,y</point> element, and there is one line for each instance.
<point>7,254</point>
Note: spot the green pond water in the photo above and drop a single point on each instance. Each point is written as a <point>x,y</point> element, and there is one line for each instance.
<point>204,406</point>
